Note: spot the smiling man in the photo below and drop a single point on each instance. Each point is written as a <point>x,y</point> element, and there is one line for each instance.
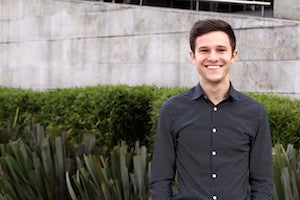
<point>215,138</point>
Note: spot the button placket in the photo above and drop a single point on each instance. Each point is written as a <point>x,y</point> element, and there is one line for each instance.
<point>213,153</point>
<point>214,146</point>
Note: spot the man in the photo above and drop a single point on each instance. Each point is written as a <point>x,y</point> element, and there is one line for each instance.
<point>216,138</point>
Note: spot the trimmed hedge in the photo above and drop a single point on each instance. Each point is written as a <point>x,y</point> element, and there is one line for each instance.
<point>115,113</point>
<point>110,113</point>
<point>284,116</point>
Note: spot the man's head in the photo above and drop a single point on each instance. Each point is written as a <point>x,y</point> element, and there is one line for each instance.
<point>202,27</point>
<point>213,51</point>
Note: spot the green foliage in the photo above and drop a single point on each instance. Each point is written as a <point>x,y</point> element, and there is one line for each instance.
<point>123,175</point>
<point>53,164</point>
<point>50,168</point>
<point>114,113</point>
<point>110,113</point>
<point>36,171</point>
<point>286,165</point>
<point>284,116</point>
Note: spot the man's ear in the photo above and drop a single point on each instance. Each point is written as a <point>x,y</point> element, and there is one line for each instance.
<point>192,55</point>
<point>234,55</point>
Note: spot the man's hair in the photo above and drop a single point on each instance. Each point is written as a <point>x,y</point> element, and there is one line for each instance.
<point>202,27</point>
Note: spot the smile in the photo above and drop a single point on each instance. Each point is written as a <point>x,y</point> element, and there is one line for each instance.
<point>213,66</point>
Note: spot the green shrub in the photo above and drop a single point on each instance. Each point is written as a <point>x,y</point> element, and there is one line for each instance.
<point>114,113</point>
<point>284,116</point>
<point>110,113</point>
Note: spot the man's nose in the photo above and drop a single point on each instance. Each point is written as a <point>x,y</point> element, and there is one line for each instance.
<point>213,56</point>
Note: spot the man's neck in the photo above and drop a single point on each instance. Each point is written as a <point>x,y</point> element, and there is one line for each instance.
<point>217,92</point>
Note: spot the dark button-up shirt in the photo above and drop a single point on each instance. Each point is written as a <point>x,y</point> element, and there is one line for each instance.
<point>217,150</point>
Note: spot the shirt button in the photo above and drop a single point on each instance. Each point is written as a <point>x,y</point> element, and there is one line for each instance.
<point>215,108</point>
<point>213,153</point>
<point>214,175</point>
<point>214,130</point>
<point>214,197</point>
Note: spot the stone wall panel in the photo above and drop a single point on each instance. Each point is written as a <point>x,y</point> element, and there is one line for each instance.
<point>46,44</point>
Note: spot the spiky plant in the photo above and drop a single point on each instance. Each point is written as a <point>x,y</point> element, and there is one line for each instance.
<point>122,175</point>
<point>36,171</point>
<point>286,165</point>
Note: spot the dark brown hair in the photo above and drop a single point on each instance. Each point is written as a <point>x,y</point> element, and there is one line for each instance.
<point>202,27</point>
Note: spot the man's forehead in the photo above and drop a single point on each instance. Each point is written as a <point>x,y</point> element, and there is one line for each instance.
<point>213,38</point>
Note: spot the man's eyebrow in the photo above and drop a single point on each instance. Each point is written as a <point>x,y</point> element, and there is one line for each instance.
<point>205,47</point>
<point>202,47</point>
<point>222,46</point>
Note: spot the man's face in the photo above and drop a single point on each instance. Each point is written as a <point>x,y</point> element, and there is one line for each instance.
<point>213,57</point>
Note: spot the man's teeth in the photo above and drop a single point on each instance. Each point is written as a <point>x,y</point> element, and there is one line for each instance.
<point>214,67</point>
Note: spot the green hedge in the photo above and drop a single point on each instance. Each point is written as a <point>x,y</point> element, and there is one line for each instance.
<point>284,116</point>
<point>110,113</point>
<point>114,113</point>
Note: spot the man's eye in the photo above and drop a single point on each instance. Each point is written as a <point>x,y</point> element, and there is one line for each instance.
<point>203,50</point>
<point>222,50</point>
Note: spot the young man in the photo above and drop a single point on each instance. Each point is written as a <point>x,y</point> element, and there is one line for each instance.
<point>216,138</point>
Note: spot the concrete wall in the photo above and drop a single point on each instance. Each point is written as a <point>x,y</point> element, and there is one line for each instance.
<point>47,44</point>
<point>287,9</point>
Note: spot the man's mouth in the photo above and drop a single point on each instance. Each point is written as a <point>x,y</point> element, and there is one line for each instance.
<point>213,66</point>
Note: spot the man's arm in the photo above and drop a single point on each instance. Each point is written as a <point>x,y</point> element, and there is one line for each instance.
<point>163,159</point>
<point>261,168</point>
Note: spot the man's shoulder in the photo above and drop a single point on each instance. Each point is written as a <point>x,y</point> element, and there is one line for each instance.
<point>180,97</point>
<point>179,101</point>
<point>248,100</point>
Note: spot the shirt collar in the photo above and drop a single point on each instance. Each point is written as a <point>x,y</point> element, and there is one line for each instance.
<point>198,92</point>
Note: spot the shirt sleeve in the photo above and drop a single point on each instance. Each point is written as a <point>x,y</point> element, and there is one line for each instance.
<point>261,168</point>
<point>163,159</point>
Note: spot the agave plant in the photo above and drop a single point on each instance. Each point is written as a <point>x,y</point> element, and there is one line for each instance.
<point>43,167</point>
<point>286,165</point>
<point>122,175</point>
<point>34,172</point>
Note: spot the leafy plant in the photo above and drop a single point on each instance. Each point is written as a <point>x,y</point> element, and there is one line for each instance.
<point>284,117</point>
<point>36,171</point>
<point>286,165</point>
<point>123,175</point>
<point>49,167</point>
<point>36,166</point>
<point>116,113</point>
